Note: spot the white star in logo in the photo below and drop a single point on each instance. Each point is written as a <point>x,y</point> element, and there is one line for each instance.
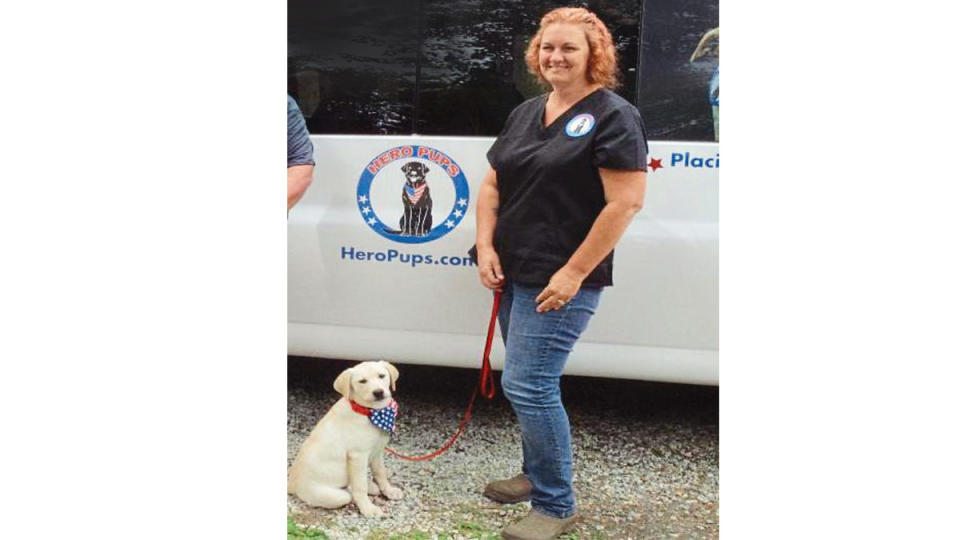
<point>462,202</point>
<point>372,221</point>
<point>457,213</point>
<point>450,224</point>
<point>363,199</point>
<point>366,210</point>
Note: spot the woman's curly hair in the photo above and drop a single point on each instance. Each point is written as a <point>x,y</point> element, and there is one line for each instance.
<point>602,65</point>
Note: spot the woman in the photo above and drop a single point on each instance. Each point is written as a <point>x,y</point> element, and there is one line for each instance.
<point>567,176</point>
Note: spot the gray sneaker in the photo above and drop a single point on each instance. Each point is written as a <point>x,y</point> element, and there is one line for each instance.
<point>513,490</point>
<point>537,526</point>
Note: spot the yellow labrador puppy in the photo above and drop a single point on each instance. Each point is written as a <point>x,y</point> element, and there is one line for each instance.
<point>331,468</point>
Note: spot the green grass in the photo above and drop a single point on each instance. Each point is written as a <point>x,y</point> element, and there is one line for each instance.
<point>474,524</point>
<point>295,532</point>
<point>468,529</point>
<point>474,530</point>
<point>412,535</point>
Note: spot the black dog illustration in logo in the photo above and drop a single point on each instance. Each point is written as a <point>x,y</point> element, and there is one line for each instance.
<point>417,217</point>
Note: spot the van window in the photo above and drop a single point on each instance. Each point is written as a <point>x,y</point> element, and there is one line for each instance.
<point>473,71</point>
<point>351,65</point>
<point>680,95</point>
<point>433,67</point>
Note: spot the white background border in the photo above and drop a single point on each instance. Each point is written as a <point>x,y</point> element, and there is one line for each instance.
<point>144,283</point>
<point>143,287</point>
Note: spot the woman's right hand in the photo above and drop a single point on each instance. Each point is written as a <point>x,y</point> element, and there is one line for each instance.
<point>488,266</point>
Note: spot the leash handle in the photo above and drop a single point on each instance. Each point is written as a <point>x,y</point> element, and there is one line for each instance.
<point>485,388</point>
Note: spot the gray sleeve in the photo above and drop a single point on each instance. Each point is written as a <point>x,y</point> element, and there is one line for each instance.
<point>299,147</point>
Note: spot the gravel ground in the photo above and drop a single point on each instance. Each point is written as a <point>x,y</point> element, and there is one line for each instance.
<point>645,457</point>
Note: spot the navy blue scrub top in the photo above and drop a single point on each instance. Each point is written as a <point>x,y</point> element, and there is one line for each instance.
<point>550,188</point>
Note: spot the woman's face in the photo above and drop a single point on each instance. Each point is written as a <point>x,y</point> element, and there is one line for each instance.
<point>564,53</point>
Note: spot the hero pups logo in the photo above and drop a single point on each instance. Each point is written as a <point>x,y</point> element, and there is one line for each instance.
<point>400,190</point>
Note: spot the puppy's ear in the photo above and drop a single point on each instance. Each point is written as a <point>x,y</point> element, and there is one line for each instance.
<point>426,169</point>
<point>406,167</point>
<point>394,374</point>
<point>342,384</point>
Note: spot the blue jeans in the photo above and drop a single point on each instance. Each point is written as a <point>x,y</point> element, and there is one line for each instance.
<point>538,345</point>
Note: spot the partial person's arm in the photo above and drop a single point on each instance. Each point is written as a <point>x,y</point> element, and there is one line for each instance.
<point>488,262</point>
<point>624,191</point>
<point>299,154</point>
<point>298,180</point>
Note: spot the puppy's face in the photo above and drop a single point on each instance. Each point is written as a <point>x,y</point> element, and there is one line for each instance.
<point>370,384</point>
<point>415,171</point>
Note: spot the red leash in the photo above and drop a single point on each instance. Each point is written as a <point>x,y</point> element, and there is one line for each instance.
<point>484,387</point>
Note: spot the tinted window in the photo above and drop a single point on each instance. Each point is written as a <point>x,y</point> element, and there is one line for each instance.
<point>679,96</point>
<point>354,66</point>
<point>473,71</point>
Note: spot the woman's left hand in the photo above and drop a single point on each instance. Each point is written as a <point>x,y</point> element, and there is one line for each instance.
<point>564,285</point>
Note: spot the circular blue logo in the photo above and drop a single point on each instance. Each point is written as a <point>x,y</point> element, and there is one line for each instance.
<point>580,125</point>
<point>412,194</point>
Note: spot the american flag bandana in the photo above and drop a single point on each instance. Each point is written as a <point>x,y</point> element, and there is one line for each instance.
<point>414,194</point>
<point>384,418</point>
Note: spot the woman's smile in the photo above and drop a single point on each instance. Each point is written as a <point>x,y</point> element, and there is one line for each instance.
<point>564,52</point>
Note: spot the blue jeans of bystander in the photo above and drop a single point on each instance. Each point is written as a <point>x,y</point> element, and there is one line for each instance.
<point>538,345</point>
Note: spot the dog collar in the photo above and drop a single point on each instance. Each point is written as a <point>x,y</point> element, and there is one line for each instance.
<point>384,418</point>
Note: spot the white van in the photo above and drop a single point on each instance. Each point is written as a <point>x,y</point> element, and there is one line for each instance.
<point>376,98</point>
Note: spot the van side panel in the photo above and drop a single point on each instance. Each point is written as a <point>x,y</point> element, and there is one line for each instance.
<point>357,292</point>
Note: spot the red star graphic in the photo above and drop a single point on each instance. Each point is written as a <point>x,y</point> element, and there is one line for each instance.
<point>655,164</point>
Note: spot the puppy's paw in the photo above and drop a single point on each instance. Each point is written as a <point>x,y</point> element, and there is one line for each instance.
<point>393,493</point>
<point>371,510</point>
<point>373,488</point>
